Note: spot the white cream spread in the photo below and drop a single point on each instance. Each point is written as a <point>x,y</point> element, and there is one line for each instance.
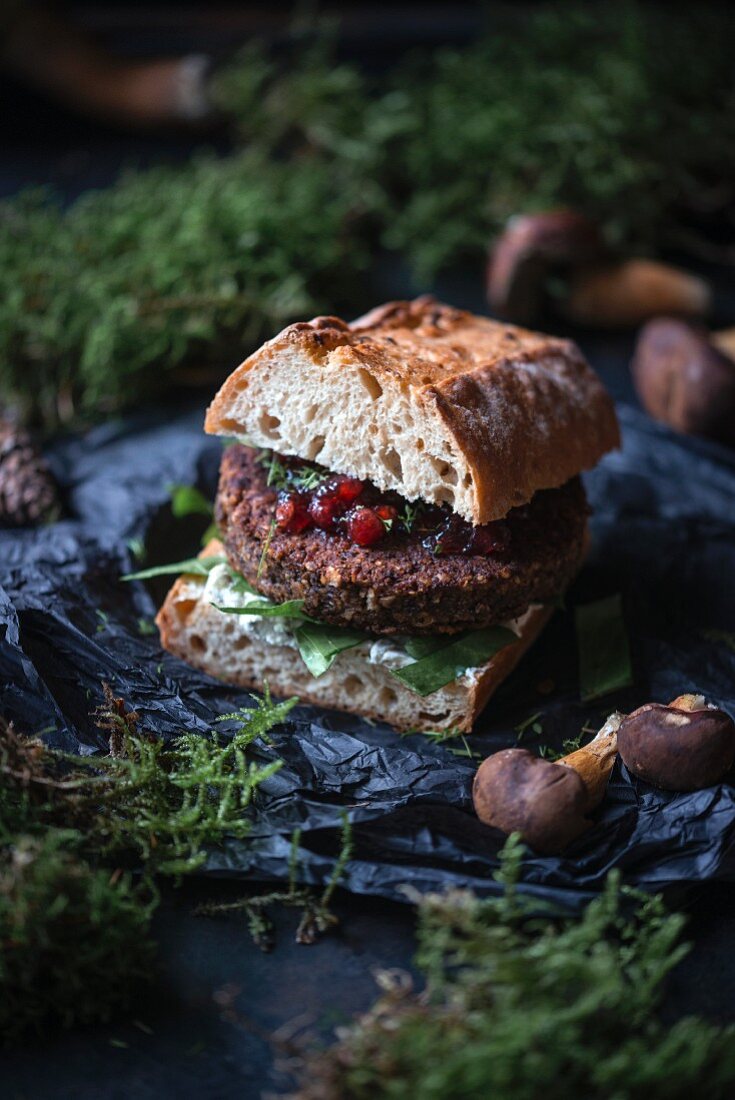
<point>220,589</point>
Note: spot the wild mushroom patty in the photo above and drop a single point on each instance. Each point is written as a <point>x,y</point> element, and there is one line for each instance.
<point>412,581</point>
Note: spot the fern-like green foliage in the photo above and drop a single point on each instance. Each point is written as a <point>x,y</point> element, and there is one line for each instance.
<point>74,929</point>
<point>625,112</point>
<point>611,109</point>
<point>166,803</point>
<point>518,1007</point>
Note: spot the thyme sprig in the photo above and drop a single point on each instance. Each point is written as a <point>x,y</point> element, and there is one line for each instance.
<point>290,475</point>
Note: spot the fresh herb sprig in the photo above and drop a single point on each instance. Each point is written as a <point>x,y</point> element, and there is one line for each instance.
<point>291,475</point>
<point>410,514</point>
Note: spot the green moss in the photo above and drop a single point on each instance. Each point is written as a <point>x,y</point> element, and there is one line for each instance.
<point>517,1007</point>
<point>175,272</point>
<point>75,938</point>
<point>74,928</point>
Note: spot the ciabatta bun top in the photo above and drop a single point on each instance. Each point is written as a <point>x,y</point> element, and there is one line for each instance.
<point>433,402</point>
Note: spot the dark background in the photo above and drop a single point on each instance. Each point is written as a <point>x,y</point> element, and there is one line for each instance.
<point>187,1040</point>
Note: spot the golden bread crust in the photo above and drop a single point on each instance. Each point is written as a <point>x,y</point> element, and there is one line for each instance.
<point>521,411</point>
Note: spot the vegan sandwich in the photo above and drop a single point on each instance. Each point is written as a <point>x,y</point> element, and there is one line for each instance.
<point>399,514</point>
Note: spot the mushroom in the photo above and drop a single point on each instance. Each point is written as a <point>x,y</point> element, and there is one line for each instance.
<point>547,803</point>
<point>528,250</point>
<point>626,294</point>
<point>684,746</point>
<point>686,378</point>
<point>535,250</point>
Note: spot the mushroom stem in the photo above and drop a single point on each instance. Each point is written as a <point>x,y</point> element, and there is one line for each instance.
<point>625,294</point>
<point>594,762</point>
<point>724,341</point>
<point>547,803</point>
<point>688,702</point>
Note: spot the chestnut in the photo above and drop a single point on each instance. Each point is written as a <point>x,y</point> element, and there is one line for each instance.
<point>684,746</point>
<point>547,803</point>
<point>686,378</point>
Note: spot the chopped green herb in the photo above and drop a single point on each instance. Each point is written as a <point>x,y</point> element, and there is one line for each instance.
<point>266,547</point>
<point>410,514</point>
<point>602,644</point>
<point>212,532</point>
<point>529,723</point>
<point>146,627</point>
<point>199,567</point>
<point>104,619</point>
<point>443,665</point>
<point>137,549</point>
<point>319,644</point>
<point>569,745</point>
<point>297,476</point>
<point>291,609</point>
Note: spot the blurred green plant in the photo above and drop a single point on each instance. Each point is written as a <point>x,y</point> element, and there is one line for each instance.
<point>75,940</point>
<point>517,1006</point>
<point>170,270</point>
<point>626,112</point>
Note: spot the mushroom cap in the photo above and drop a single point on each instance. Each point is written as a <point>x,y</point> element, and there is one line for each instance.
<point>529,247</point>
<point>684,380</point>
<point>677,749</point>
<point>515,791</point>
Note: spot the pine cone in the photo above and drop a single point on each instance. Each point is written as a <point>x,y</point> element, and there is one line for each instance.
<point>28,493</point>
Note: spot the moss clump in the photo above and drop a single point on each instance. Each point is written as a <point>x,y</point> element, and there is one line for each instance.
<point>74,926</point>
<point>75,938</point>
<point>171,272</point>
<point>517,1007</point>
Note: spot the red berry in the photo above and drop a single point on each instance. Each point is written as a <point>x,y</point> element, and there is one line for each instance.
<point>452,537</point>
<point>348,489</point>
<point>387,513</point>
<point>292,514</point>
<point>325,509</point>
<point>489,539</point>
<point>365,527</point>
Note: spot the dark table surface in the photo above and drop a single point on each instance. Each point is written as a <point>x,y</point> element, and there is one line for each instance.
<point>206,1026</point>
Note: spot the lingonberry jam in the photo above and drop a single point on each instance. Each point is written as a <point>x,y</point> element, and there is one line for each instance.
<point>337,504</point>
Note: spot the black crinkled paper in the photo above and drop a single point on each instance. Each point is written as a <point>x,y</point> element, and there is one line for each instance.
<point>663,536</point>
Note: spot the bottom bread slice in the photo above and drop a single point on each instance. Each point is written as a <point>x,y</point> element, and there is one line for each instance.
<point>216,643</point>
